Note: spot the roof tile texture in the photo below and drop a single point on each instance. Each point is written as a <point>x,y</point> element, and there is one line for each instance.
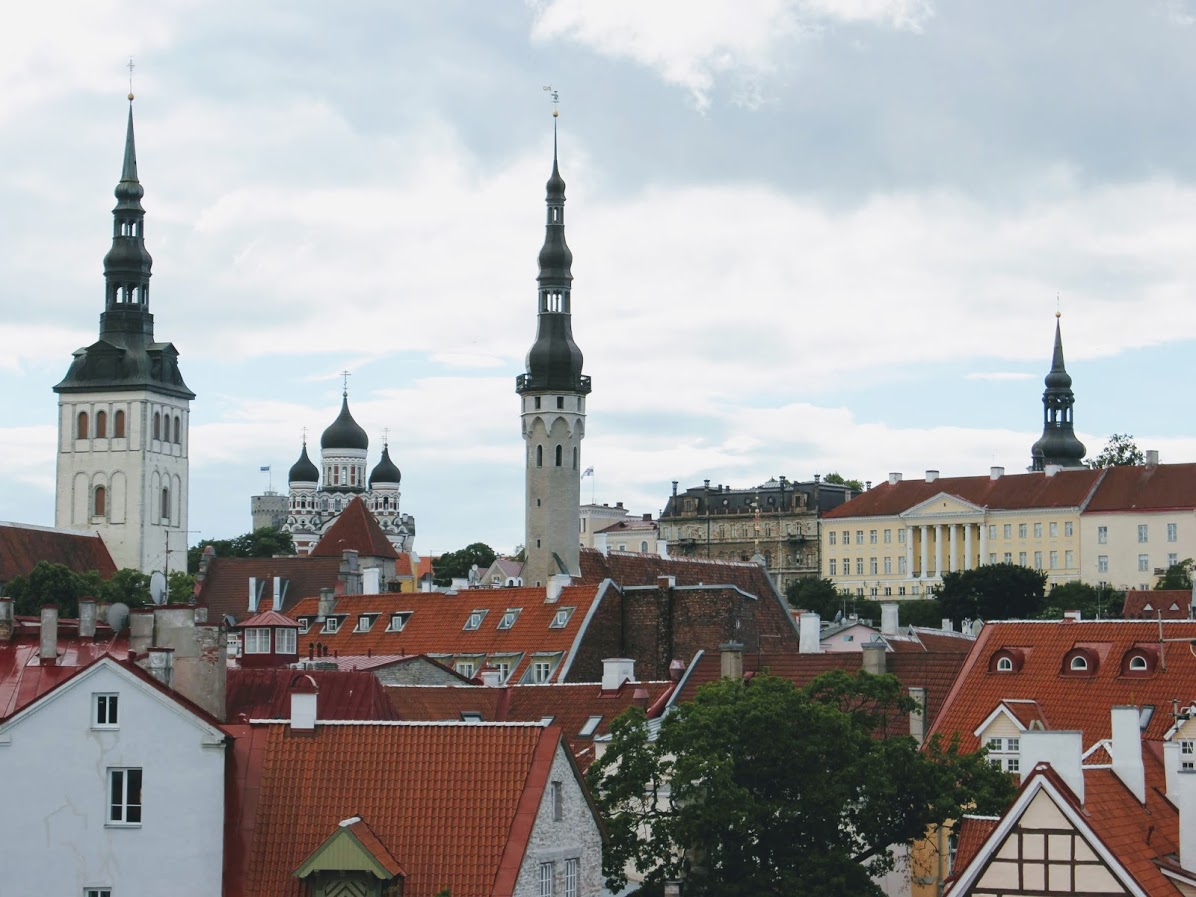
<point>21,547</point>
<point>225,589</point>
<point>1146,488</point>
<point>354,529</point>
<point>265,694</point>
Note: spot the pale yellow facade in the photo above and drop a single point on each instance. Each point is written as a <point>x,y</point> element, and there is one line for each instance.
<point>906,555</point>
<point>1131,549</point>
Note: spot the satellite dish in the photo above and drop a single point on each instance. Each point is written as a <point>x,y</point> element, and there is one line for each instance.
<point>158,587</point>
<point>117,616</point>
<point>838,616</point>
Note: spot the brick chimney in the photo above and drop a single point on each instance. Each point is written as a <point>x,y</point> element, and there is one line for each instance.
<point>731,660</point>
<point>1127,750</point>
<point>6,617</point>
<point>809,633</point>
<point>49,636</point>
<point>304,694</point>
<point>1061,749</point>
<point>87,618</point>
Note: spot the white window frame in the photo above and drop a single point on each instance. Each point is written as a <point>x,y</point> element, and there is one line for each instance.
<point>365,622</point>
<point>466,668</point>
<point>1143,533</point>
<point>545,879</point>
<point>1079,664</point>
<point>561,618</point>
<point>541,671</point>
<point>398,621</point>
<point>304,625</point>
<point>1172,532</point>
<point>332,625</point>
<point>1102,563</point>
<point>1004,665</point>
<point>97,892</point>
<point>1053,529</point>
<point>510,615</point>
<point>105,710</point>
<point>1102,535</point>
<point>253,644</point>
<point>286,640</point>
<point>1187,752</point>
<point>572,877</point>
<point>1143,563</point>
<point>1138,664</point>
<point>120,808</point>
<point>474,621</point>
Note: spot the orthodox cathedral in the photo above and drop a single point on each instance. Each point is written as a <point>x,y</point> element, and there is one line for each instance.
<point>319,494</point>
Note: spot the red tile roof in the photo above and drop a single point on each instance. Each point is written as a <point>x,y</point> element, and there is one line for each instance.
<point>355,528</point>
<point>22,546</point>
<point>265,694</point>
<point>438,620</point>
<point>23,678</point>
<point>1072,701</point>
<point>453,804</point>
<point>1150,604</point>
<point>973,831</point>
<point>1161,487</point>
<point>268,618</point>
<point>1065,489</point>
<point>225,587</point>
<point>635,569</point>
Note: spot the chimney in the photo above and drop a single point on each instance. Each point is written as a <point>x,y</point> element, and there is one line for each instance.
<point>371,581</point>
<point>616,671</point>
<point>6,617</point>
<point>49,634</point>
<point>327,604</point>
<point>948,624</point>
<point>87,618</point>
<point>674,488</point>
<point>161,665</point>
<point>647,518</point>
<point>874,657</point>
<point>676,669</point>
<point>665,583</point>
<point>491,677</point>
<point>253,594</point>
<point>995,473</point>
<point>1073,615</point>
<point>556,584</point>
<point>1127,750</point>
<point>350,573</point>
<point>640,698</point>
<point>1061,749</point>
<point>888,618</point>
<point>1152,457</point>
<point>917,716</point>
<point>278,593</point>
<point>894,478</point>
<point>141,629</point>
<point>931,476</point>
<point>304,693</point>
<point>1185,790</point>
<point>731,660</point>
<point>867,485</point>
<point>809,634</point>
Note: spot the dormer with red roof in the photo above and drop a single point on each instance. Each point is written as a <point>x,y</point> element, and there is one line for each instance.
<point>269,639</point>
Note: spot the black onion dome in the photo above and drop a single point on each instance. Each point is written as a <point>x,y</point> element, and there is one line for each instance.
<point>345,433</point>
<point>385,471</point>
<point>555,361</point>
<point>303,470</point>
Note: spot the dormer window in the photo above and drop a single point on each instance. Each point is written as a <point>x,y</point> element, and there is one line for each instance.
<point>331,624</point>
<point>1138,663</point>
<point>509,617</point>
<point>304,624</point>
<point>475,620</point>
<point>398,621</point>
<point>257,640</point>
<point>364,622</point>
<point>1004,665</point>
<point>1005,660</point>
<point>561,618</point>
<point>1080,662</point>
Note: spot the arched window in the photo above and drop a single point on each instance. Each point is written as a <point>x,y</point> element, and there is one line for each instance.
<point>559,451</point>
<point>166,505</point>
<point>177,430</point>
<point>99,502</point>
<point>1138,664</point>
<point>1004,665</point>
<point>118,425</point>
<point>81,426</point>
<point>1079,663</point>
<point>157,425</point>
<point>644,547</point>
<point>539,456</point>
<point>575,457</point>
<point>101,425</point>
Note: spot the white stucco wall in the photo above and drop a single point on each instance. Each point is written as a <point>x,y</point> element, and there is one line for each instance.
<point>54,768</point>
<point>575,836</point>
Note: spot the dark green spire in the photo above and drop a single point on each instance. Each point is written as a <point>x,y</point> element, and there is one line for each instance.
<point>1058,443</point>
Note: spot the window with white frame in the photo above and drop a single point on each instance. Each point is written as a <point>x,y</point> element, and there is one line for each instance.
<point>1038,531</point>
<point>900,536</point>
<point>872,566</point>
<point>105,711</point>
<point>257,640</point>
<point>888,564</point>
<point>1004,665</point>
<point>1102,563</point>
<point>286,641</point>
<point>871,537</point>
<point>831,538</point>
<point>1172,532</point>
<point>992,557</point>
<point>545,880</point>
<point>992,530</point>
<point>1021,558</point>
<point>832,568</point>
<point>1143,532</point>
<point>1007,531</point>
<point>398,621</point>
<point>304,624</point>
<point>1054,556</point>
<point>859,566</point>
<point>97,892</point>
<point>846,537</point>
<point>1021,530</point>
<point>572,877</point>
<point>558,801</point>
<point>888,536</point>
<point>364,622</point>
<point>466,668</point>
<point>1172,559</point>
<point>1143,563</point>
<point>1008,557</point>
<point>859,537</point>
<point>475,620</point>
<point>1069,559</point>
<point>1067,528</point>
<point>1038,560</point>
<point>510,615</point>
<point>1102,535</point>
<point>1187,754</point>
<point>124,796</point>
<point>1004,753</point>
<point>1053,528</point>
<point>541,670</point>
<point>331,624</point>
<point>901,564</point>
<point>561,618</point>
<point>503,667</point>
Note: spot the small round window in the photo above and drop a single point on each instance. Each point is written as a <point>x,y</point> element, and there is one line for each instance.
<point>1004,665</point>
<point>1079,663</point>
<point>1138,664</point>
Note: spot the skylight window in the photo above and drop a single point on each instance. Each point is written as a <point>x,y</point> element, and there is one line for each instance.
<point>398,621</point>
<point>475,620</point>
<point>471,716</point>
<point>590,727</point>
<point>364,622</point>
<point>332,624</point>
<point>561,619</point>
<point>509,617</point>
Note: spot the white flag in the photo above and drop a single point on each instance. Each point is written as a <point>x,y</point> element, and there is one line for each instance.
<point>588,472</point>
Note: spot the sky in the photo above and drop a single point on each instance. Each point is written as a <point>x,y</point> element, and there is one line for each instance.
<point>808,235</point>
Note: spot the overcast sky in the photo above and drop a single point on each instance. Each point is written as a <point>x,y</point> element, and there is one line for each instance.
<point>808,235</point>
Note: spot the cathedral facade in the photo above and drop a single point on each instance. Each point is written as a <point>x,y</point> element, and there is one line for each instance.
<point>317,495</point>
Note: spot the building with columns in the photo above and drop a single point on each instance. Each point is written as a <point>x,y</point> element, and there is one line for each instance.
<point>124,410</point>
<point>899,538</point>
<point>552,396</point>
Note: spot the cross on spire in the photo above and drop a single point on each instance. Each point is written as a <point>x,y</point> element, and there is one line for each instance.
<point>386,435</point>
<point>345,375</point>
<point>130,68</point>
<point>305,435</point>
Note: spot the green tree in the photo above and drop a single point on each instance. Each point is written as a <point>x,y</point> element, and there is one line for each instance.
<point>1178,576</point>
<point>992,592</point>
<point>814,593</point>
<point>48,583</point>
<point>264,542</point>
<point>180,587</point>
<point>761,788</point>
<point>1092,602</point>
<point>1119,451</point>
<point>837,479</point>
<point>457,563</point>
<point>128,586</point>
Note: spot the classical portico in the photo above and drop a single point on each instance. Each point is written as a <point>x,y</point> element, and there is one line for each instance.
<point>932,549</point>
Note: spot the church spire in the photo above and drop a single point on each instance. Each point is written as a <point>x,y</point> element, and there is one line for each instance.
<point>1058,444</point>
<point>127,264</point>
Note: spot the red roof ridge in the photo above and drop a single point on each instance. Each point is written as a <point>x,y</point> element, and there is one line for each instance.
<point>357,529</point>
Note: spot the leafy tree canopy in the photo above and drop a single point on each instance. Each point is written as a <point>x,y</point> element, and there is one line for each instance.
<point>837,478</point>
<point>819,595</point>
<point>57,584</point>
<point>457,563</point>
<point>264,542</point>
<point>1178,576</point>
<point>992,592</point>
<point>1119,451</point>
<point>1092,602</point>
<point>777,790</point>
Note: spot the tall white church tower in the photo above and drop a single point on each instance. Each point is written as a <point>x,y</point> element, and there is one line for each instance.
<point>124,410</point>
<point>553,396</point>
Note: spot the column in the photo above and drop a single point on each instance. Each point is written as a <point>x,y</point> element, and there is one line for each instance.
<point>925,530</point>
<point>954,564</point>
<point>909,552</point>
<point>938,550</point>
<point>967,546</point>
<point>983,544</point>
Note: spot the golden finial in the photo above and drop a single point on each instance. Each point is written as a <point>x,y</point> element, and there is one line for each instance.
<point>1058,312</point>
<point>556,99</point>
<point>130,67</point>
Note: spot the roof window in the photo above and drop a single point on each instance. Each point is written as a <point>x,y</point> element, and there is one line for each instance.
<point>561,618</point>
<point>509,617</point>
<point>1006,660</point>
<point>590,727</point>
<point>1080,662</point>
<point>364,622</point>
<point>475,620</point>
<point>398,621</point>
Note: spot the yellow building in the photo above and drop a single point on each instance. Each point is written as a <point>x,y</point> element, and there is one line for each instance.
<point>899,538</point>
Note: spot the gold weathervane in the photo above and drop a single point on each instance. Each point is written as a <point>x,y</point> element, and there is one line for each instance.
<point>130,67</point>
<point>556,99</point>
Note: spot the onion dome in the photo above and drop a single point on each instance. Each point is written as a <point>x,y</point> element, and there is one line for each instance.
<point>303,470</point>
<point>385,471</point>
<point>1058,444</point>
<point>345,433</point>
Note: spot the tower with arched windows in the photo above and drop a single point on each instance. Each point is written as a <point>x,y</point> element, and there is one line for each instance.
<point>123,410</point>
<point>553,407</point>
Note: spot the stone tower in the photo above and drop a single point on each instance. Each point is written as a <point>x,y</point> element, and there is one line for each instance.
<point>553,407</point>
<point>1058,444</point>
<point>123,410</point>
